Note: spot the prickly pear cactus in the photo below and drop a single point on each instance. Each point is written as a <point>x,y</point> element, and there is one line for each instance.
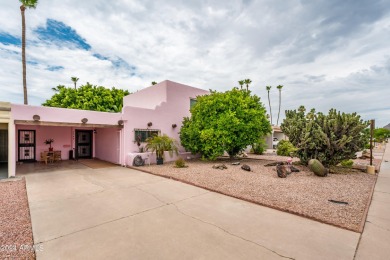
<point>317,167</point>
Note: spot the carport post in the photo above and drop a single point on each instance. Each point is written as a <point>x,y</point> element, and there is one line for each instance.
<point>11,149</point>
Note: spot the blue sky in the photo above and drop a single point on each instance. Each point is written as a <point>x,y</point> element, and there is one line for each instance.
<point>326,53</point>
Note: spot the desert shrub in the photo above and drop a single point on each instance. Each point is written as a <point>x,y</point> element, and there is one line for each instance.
<point>259,147</point>
<point>180,163</point>
<point>329,138</point>
<point>285,148</point>
<point>347,163</point>
<point>224,121</point>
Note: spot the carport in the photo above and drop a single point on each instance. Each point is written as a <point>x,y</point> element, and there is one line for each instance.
<point>74,141</point>
<point>76,134</point>
<point>6,140</point>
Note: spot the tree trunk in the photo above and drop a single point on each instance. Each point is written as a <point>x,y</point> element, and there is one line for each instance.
<point>270,111</point>
<point>280,100</point>
<point>22,9</point>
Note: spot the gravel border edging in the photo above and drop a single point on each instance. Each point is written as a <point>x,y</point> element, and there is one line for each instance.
<point>363,223</point>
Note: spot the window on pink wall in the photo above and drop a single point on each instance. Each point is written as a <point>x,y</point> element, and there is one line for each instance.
<point>192,102</point>
<point>142,134</point>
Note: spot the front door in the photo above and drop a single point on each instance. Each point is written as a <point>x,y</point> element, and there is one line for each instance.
<point>26,145</point>
<point>3,146</point>
<point>83,144</point>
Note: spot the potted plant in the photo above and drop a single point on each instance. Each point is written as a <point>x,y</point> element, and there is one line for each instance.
<point>159,144</point>
<point>138,141</point>
<point>49,141</point>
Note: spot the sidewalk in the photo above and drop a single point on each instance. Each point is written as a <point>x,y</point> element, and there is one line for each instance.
<point>375,240</point>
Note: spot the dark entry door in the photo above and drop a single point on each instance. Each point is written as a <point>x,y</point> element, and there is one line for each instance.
<point>3,145</point>
<point>83,144</point>
<point>26,145</point>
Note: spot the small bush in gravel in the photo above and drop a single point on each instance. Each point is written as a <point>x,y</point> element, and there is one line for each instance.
<point>285,148</point>
<point>180,163</point>
<point>259,147</point>
<point>347,163</point>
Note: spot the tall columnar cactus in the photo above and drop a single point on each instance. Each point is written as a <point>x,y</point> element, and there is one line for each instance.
<point>329,138</point>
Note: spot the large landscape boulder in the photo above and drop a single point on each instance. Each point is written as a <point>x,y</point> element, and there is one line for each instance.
<point>220,166</point>
<point>282,170</point>
<point>246,167</point>
<point>365,155</point>
<point>317,167</point>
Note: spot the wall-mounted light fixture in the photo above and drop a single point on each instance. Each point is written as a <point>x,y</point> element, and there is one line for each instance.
<point>84,120</point>
<point>94,131</point>
<point>150,124</point>
<point>36,117</point>
<point>174,125</point>
<point>120,122</point>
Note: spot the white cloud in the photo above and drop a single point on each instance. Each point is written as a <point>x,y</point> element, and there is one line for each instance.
<point>326,53</point>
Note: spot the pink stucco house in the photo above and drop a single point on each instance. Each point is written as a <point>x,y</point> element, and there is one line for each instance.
<point>89,134</point>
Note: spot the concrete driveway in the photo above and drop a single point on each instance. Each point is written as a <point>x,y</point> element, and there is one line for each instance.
<point>119,213</point>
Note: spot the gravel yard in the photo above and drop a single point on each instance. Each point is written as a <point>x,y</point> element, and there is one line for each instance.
<point>300,193</point>
<point>16,238</point>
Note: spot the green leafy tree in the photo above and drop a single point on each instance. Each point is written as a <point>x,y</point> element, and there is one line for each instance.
<point>381,134</point>
<point>88,97</point>
<point>260,146</point>
<point>154,82</point>
<point>329,138</point>
<point>224,121</point>
<point>269,102</point>
<point>26,4</point>
<point>74,80</point>
<point>279,87</point>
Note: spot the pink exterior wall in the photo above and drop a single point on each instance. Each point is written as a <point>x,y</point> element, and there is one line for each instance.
<point>62,137</point>
<point>107,144</point>
<point>148,97</point>
<point>163,116</point>
<point>163,104</point>
<point>63,115</point>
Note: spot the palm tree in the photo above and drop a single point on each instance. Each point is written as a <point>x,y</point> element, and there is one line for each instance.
<point>247,82</point>
<point>241,82</point>
<point>280,100</point>
<point>74,79</point>
<point>269,102</point>
<point>25,4</point>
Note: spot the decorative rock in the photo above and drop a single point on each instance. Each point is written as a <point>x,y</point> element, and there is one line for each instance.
<point>282,170</point>
<point>246,167</point>
<point>365,155</point>
<point>274,164</point>
<point>220,166</point>
<point>236,163</point>
<point>293,169</point>
<point>243,155</point>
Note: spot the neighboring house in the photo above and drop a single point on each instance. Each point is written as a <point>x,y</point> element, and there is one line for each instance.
<point>90,134</point>
<point>276,136</point>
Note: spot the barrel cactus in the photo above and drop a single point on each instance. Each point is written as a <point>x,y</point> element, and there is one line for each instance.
<point>317,167</point>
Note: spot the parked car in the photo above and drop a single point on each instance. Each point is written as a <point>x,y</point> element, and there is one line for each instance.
<point>275,142</point>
